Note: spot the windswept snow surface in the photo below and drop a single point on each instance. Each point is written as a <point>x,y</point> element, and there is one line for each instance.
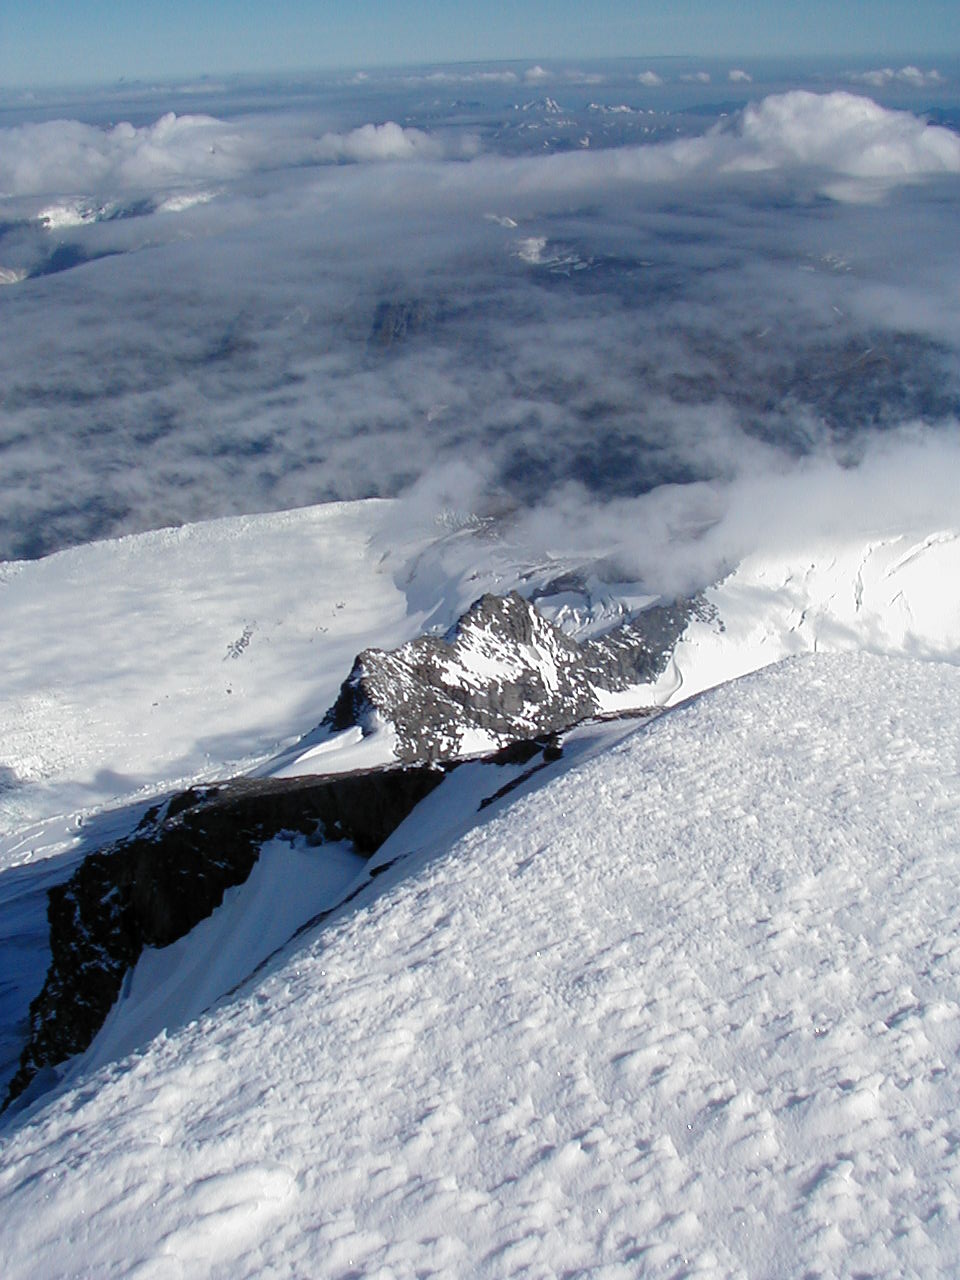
<point>691,1007</point>
<point>162,658</point>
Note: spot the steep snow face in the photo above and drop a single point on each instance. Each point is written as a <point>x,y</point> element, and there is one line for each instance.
<point>690,1007</point>
<point>296,881</point>
<point>172,985</point>
<point>154,886</point>
<point>894,595</point>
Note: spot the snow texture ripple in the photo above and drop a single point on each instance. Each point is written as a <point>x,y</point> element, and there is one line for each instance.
<point>691,1007</point>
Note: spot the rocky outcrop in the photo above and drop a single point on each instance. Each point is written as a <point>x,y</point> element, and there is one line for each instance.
<point>502,672</point>
<point>500,682</point>
<point>152,888</point>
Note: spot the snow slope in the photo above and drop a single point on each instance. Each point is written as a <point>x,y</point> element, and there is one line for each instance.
<point>153,660</point>
<point>159,660</point>
<point>291,884</point>
<point>691,1007</point>
<point>170,986</point>
<point>891,594</point>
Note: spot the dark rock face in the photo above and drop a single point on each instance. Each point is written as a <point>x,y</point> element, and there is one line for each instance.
<point>153,887</point>
<point>503,671</point>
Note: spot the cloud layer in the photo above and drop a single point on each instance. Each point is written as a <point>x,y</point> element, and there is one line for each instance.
<point>797,134</point>
<point>66,156</point>
<point>838,132</point>
<point>206,314</point>
<point>912,76</point>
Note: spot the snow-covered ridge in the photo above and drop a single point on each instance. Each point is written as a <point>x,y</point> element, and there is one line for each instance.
<point>80,213</point>
<point>690,1006</point>
<point>888,595</point>
<point>204,650</point>
<point>505,671</point>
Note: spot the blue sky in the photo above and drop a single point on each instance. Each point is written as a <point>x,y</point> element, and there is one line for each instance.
<point>50,41</point>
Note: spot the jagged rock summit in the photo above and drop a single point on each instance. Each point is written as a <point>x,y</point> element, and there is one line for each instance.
<point>502,672</point>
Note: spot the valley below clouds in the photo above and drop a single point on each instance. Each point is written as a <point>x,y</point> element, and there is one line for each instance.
<point>511,294</point>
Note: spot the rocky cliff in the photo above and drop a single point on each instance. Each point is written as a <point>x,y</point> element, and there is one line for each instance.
<point>502,672</point>
<point>153,887</point>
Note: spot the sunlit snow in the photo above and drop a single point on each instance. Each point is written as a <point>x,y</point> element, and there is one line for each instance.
<point>693,1004</point>
<point>295,370</point>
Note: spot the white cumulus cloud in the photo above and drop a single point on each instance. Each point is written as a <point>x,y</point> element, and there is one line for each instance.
<point>295,338</point>
<point>845,134</point>
<point>650,79</point>
<point>70,158</point>
<point>388,141</point>
<point>737,76</point>
<point>846,146</point>
<point>910,75</point>
<point>67,155</point>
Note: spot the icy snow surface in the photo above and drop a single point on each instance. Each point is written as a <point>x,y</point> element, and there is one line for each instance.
<point>886,594</point>
<point>690,1007</point>
<point>155,660</point>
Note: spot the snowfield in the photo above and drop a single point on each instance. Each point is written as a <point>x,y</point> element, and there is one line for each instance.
<point>688,1007</point>
<point>156,659</point>
<point>208,650</point>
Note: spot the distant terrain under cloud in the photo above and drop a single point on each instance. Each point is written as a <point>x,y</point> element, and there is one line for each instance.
<point>554,311</point>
